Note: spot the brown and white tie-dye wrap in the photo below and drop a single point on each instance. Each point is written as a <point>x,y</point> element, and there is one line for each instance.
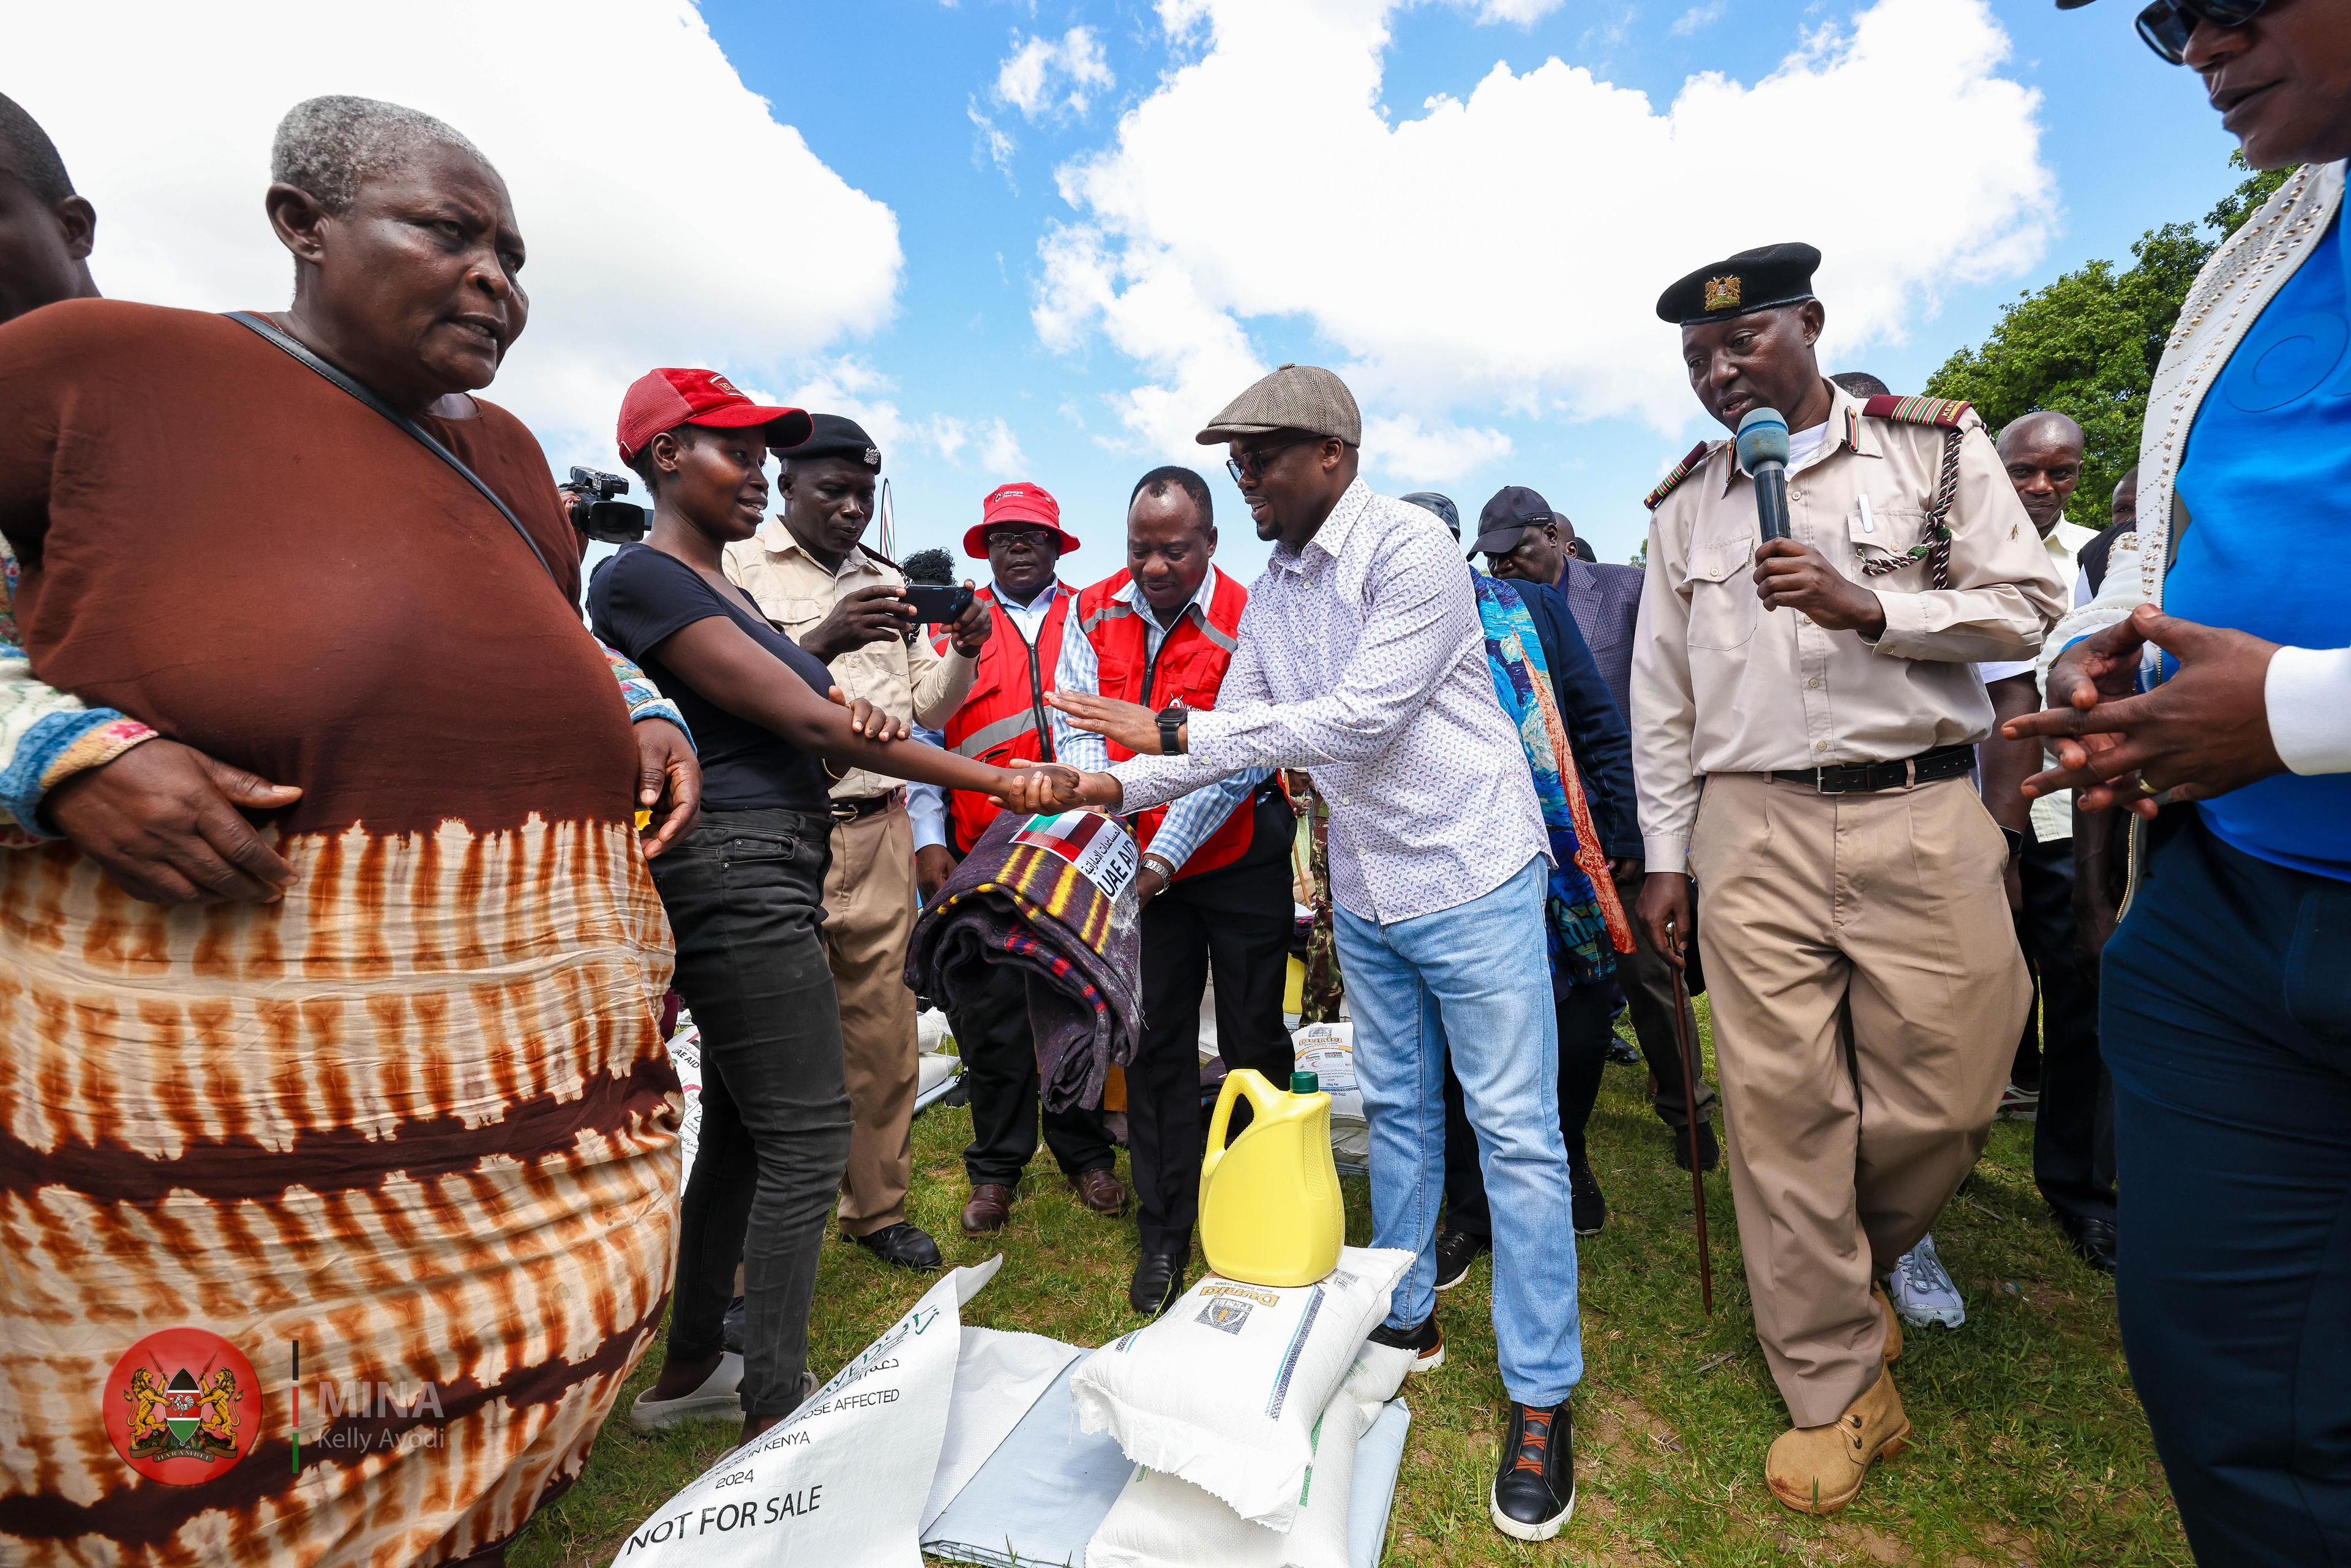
<point>417,1116</point>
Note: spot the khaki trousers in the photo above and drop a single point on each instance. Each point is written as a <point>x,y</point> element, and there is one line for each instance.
<point>869,913</point>
<point>1867,993</point>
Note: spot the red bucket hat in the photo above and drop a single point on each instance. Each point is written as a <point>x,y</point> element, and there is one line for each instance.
<point>1020,503</point>
<point>665,399</point>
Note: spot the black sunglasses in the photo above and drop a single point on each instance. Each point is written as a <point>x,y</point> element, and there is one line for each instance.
<point>2168,25</point>
<point>1251,464</point>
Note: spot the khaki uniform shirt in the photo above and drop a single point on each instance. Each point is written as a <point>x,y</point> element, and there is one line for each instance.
<point>1721,685</point>
<point>909,681</point>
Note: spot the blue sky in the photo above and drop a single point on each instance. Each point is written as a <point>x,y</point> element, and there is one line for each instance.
<point>886,94</point>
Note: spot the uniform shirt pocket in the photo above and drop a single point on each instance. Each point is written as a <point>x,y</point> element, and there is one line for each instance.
<point>1722,603</point>
<point>1883,535</point>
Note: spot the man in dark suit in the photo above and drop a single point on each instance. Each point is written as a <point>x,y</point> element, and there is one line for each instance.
<point>1524,538</point>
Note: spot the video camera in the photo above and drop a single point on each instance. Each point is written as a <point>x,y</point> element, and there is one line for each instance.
<point>588,498</point>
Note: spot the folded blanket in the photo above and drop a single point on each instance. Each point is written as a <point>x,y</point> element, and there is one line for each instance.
<point>1054,897</point>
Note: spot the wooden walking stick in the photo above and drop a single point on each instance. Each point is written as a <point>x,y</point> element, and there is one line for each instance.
<point>1690,1133</point>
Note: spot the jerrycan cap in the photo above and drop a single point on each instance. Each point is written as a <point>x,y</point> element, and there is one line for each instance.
<point>1305,1083</point>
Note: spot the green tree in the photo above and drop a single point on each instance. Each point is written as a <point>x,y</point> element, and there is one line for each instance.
<point>2088,344</point>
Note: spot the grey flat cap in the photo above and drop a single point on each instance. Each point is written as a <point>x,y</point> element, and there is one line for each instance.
<point>1295,397</point>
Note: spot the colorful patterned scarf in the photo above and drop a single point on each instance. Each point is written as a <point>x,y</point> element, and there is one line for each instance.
<point>1587,923</point>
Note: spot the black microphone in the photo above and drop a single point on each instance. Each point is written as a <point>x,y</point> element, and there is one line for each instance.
<point>1764,453</point>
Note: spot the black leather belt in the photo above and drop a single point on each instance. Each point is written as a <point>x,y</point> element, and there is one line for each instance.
<point>867,806</point>
<point>1865,778</point>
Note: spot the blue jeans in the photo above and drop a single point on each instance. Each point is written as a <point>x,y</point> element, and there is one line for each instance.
<point>2227,1027</point>
<point>1478,973</point>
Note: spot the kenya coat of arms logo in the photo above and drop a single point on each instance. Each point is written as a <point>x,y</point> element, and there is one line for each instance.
<point>182,1406</point>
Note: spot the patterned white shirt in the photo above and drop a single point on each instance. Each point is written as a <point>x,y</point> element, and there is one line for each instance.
<point>1191,820</point>
<point>1361,660</point>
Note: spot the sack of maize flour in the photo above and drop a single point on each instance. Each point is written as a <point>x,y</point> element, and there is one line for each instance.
<point>1160,1521</point>
<point>1225,1390</point>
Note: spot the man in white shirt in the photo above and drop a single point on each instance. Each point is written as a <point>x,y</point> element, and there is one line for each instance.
<point>1363,660</point>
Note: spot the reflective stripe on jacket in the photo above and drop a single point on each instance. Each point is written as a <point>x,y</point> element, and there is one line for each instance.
<point>1002,721</point>
<point>1191,665</point>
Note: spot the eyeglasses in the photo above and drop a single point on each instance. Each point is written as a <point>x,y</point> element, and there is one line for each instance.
<point>2168,25</point>
<point>1034,539</point>
<point>1251,464</point>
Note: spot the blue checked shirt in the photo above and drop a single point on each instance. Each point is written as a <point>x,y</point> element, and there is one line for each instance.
<point>1191,820</point>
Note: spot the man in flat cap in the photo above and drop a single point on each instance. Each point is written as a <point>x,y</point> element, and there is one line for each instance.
<point>1363,660</point>
<point>1820,691</point>
<point>810,573</point>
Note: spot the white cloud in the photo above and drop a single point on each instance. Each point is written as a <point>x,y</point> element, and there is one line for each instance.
<point>1699,16</point>
<point>1525,13</point>
<point>1504,250</point>
<point>1047,76</point>
<point>639,255</point>
<point>853,388</point>
<point>1000,456</point>
<point>1403,447</point>
<point>996,142</point>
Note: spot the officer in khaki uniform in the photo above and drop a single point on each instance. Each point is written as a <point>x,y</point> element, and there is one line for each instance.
<point>810,574</point>
<point>1804,715</point>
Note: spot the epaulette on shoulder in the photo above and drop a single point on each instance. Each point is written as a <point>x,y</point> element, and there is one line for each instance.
<point>1940,411</point>
<point>1689,465</point>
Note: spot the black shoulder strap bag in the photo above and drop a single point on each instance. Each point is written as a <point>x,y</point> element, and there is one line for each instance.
<point>269,331</point>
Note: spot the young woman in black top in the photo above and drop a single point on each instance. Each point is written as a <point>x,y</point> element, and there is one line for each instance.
<point>744,893</point>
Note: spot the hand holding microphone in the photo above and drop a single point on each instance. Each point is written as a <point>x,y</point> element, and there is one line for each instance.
<point>1787,573</point>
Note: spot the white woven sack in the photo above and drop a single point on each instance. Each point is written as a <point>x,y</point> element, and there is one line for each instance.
<point>1226,1388</point>
<point>1160,1521</point>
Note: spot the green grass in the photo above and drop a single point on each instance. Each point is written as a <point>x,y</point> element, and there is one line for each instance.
<point>2030,1447</point>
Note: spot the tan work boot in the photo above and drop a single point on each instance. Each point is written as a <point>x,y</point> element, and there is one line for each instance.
<point>1819,1469</point>
<point>1893,1324</point>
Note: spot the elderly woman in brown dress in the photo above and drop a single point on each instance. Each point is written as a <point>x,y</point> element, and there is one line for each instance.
<point>338,1168</point>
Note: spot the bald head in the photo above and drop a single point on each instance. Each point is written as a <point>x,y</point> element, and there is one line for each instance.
<point>2042,454</point>
<point>45,230</point>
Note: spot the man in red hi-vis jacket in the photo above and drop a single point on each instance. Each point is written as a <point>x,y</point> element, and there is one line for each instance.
<point>1215,863</point>
<point>1020,537</point>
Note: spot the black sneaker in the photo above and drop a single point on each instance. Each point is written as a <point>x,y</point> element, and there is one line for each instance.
<point>1622,1052</point>
<point>1456,1250</point>
<point>1709,1154</point>
<point>1427,1343</point>
<point>1591,1206</point>
<point>1534,1491</point>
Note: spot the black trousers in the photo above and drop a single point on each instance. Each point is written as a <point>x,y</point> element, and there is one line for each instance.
<point>744,892</point>
<point>999,1063</point>
<point>2073,1139</point>
<point>2227,1026</point>
<point>1234,922</point>
<point>1585,1014</point>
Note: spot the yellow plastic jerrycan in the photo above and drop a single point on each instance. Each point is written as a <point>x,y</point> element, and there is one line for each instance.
<point>1270,1212</point>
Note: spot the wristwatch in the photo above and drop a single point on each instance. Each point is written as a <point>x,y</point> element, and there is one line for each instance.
<point>1171,727</point>
<point>2015,842</point>
<point>1160,864</point>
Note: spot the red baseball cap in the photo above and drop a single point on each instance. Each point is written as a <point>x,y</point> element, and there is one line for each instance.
<point>1019,503</point>
<point>663,399</point>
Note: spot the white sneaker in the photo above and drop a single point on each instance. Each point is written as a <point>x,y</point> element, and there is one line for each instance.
<point>1922,1290</point>
<point>719,1398</point>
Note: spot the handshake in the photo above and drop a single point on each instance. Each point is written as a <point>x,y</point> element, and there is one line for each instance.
<point>1041,787</point>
